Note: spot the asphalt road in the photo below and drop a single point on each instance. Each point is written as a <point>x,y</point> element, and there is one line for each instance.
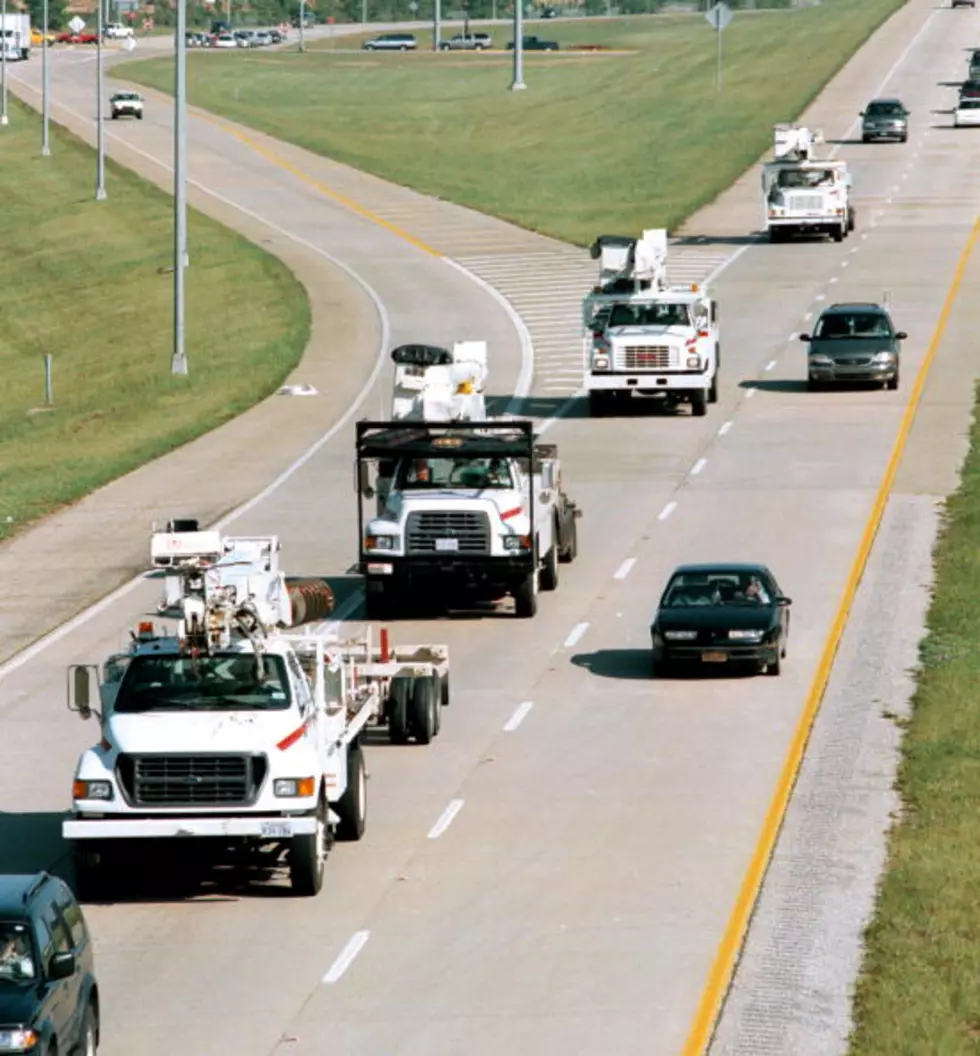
<point>594,849</point>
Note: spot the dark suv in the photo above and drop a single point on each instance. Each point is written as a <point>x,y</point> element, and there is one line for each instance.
<point>49,999</point>
<point>854,342</point>
<point>885,119</point>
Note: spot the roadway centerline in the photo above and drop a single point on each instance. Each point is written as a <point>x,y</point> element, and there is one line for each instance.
<point>346,956</point>
<point>698,466</point>
<point>725,428</point>
<point>445,819</point>
<point>520,714</point>
<point>575,634</point>
<point>625,568</point>
<point>667,511</point>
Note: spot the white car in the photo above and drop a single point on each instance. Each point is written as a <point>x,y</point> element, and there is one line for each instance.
<point>126,104</point>
<point>224,40</point>
<point>967,112</point>
<point>117,31</point>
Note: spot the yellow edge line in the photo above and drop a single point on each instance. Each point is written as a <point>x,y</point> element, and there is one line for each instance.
<point>722,969</point>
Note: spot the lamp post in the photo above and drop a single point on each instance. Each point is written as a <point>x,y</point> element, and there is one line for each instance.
<point>436,25</point>
<point>99,114</point>
<point>302,25</point>
<point>45,84</point>
<point>518,84</point>
<point>3,62</point>
<point>178,359</point>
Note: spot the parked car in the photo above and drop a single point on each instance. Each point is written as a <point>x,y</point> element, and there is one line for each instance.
<point>277,36</point>
<point>117,31</point>
<point>535,44</point>
<point>77,38</point>
<point>854,342</point>
<point>470,42</point>
<point>967,112</point>
<point>391,42</point>
<point>49,996</point>
<point>885,119</point>
<point>549,12</point>
<point>224,40</point>
<point>261,39</point>
<point>721,614</point>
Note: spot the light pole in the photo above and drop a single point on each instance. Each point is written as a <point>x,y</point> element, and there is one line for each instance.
<point>436,25</point>
<point>364,12</point>
<point>99,114</point>
<point>178,359</point>
<point>3,62</point>
<point>45,84</point>
<point>302,25</point>
<point>518,84</point>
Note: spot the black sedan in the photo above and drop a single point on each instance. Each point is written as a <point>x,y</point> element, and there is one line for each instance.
<point>721,613</point>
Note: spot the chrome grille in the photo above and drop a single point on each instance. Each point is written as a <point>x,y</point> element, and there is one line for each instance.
<point>805,203</point>
<point>448,532</point>
<point>643,357</point>
<point>191,780</point>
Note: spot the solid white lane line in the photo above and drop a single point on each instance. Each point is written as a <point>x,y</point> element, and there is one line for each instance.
<point>520,714</point>
<point>771,364</point>
<point>698,466</point>
<point>575,634</point>
<point>445,819</point>
<point>725,428</point>
<point>667,511</point>
<point>625,568</point>
<point>346,956</point>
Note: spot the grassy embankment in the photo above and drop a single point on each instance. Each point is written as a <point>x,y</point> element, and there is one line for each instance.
<point>89,283</point>
<point>598,142</point>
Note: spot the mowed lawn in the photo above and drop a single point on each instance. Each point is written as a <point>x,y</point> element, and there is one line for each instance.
<point>597,143</point>
<point>89,283</point>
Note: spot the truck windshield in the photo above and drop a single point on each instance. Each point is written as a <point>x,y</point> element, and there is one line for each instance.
<point>202,683</point>
<point>650,315</point>
<point>806,178</point>
<point>859,325</point>
<point>478,473</point>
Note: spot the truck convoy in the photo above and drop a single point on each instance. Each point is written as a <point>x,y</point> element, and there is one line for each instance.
<point>238,730</point>
<point>466,509</point>
<point>15,36</point>
<point>643,335</point>
<point>805,195</point>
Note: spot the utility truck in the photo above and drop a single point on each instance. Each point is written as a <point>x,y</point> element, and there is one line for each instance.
<point>238,732</point>
<point>644,336</point>
<point>15,36</point>
<point>465,509</point>
<point>805,195</point>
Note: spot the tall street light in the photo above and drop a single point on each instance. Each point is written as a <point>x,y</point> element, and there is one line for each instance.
<point>178,359</point>
<point>45,84</point>
<point>436,25</point>
<point>99,114</point>
<point>3,62</point>
<point>518,84</point>
<point>302,25</point>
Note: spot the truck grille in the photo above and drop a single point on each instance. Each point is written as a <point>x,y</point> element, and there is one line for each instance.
<point>469,528</point>
<point>643,357</point>
<point>805,203</point>
<point>191,780</point>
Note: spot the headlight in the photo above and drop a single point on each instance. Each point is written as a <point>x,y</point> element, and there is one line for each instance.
<point>600,361</point>
<point>746,636</point>
<point>884,357</point>
<point>293,787</point>
<point>776,210</point>
<point>88,790</point>
<point>680,636</point>
<point>20,1039</point>
<point>694,362</point>
<point>380,542</point>
<point>819,357</point>
<point>517,542</point>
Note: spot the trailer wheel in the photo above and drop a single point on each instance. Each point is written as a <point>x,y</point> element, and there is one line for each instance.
<point>526,597</point>
<point>424,707</point>
<point>570,551</point>
<point>308,856</point>
<point>351,808</point>
<point>549,573</point>
<point>398,698</point>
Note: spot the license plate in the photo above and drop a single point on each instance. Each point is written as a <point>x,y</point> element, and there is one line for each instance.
<point>447,544</point>
<point>714,658</point>
<point>277,830</point>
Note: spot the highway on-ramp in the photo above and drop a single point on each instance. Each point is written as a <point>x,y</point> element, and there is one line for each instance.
<point>555,873</point>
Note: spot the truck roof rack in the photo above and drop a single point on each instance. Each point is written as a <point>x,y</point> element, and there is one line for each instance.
<point>628,264</point>
<point>435,384</point>
<point>399,439</point>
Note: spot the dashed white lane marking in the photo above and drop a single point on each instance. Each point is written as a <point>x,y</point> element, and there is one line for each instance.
<point>854,249</point>
<point>771,365</point>
<point>698,466</point>
<point>725,428</point>
<point>520,714</point>
<point>894,189</point>
<point>667,511</point>
<point>808,316</point>
<point>820,297</point>
<point>793,336</point>
<point>888,201</point>
<point>864,235</point>
<point>445,819</point>
<point>750,394</point>
<point>625,568</point>
<point>844,263</point>
<point>575,634</point>
<point>833,278</point>
<point>346,956</point>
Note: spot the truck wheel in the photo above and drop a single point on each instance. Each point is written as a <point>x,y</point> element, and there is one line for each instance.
<point>139,117</point>
<point>88,873</point>
<point>776,234</point>
<point>838,233</point>
<point>444,689</point>
<point>851,220</point>
<point>549,573</point>
<point>570,552</point>
<point>382,603</point>
<point>713,391</point>
<point>351,808</point>
<point>424,709</point>
<point>599,404</point>
<point>699,403</point>
<point>308,856</point>
<point>526,597</point>
<point>398,698</point>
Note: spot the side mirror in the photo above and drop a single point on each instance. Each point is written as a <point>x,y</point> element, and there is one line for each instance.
<point>860,113</point>
<point>784,602</point>
<point>80,690</point>
<point>805,337</point>
<point>901,336</point>
<point>364,480</point>
<point>62,966</point>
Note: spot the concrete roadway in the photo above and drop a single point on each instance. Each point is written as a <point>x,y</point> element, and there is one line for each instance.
<point>572,898</point>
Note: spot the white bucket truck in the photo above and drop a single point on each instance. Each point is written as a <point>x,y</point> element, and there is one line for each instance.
<point>805,195</point>
<point>465,509</point>
<point>644,336</point>
<point>15,36</point>
<point>232,731</point>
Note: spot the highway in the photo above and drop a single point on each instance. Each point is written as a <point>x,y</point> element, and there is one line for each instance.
<point>555,873</point>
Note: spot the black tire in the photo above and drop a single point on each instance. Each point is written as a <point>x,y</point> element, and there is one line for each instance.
<point>851,220</point>
<point>813,385</point>
<point>776,234</point>
<point>115,117</point>
<point>308,857</point>
<point>904,139</point>
<point>351,808</point>
<point>775,667</point>
<point>526,597</point>
<point>599,404</point>
<point>382,603</point>
<point>88,1044</point>
<point>838,233</point>
<point>437,683</point>
<point>865,139</point>
<point>658,668</point>
<point>892,383</point>
<point>423,709</point>
<point>549,572</point>
<point>398,710</point>
<point>713,391</point>
<point>139,117</point>
<point>570,551</point>
<point>699,403</point>
<point>444,689</point>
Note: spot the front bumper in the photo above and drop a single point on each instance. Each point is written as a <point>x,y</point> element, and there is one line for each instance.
<point>127,111</point>
<point>884,133</point>
<point>121,828</point>
<point>647,383</point>
<point>715,653</point>
<point>823,224</point>
<point>843,372</point>
<point>380,569</point>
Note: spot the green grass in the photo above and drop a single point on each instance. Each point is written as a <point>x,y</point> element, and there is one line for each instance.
<point>919,994</point>
<point>88,283</point>
<point>597,142</point>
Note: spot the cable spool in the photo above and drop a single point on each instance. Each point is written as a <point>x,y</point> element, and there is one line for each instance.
<point>311,599</point>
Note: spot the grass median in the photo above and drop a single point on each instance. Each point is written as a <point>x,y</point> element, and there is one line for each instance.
<point>90,283</point>
<point>917,994</point>
<point>598,142</point>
